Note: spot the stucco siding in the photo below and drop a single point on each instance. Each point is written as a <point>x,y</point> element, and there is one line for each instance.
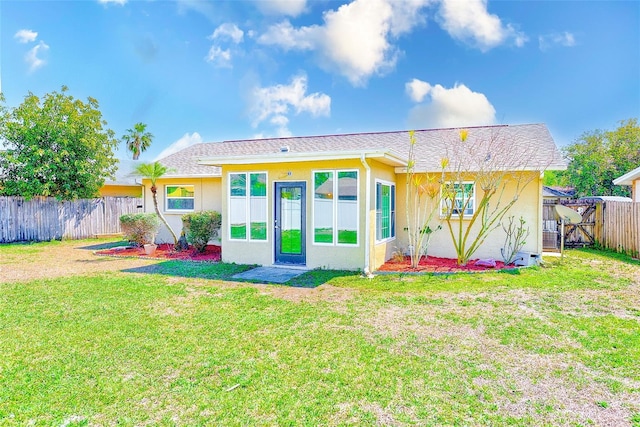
<point>329,256</point>
<point>114,190</point>
<point>528,205</point>
<point>207,196</point>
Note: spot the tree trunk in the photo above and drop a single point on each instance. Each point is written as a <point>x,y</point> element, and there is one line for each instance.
<point>154,191</point>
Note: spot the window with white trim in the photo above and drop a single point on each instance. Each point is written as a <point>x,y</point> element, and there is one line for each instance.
<point>179,197</point>
<point>385,210</point>
<point>335,207</point>
<point>461,196</point>
<point>248,206</point>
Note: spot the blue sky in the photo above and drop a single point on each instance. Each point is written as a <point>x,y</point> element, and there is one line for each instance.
<point>198,71</point>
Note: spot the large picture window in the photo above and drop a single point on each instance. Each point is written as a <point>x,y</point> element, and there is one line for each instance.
<point>335,207</point>
<point>385,210</point>
<point>458,198</point>
<point>248,206</point>
<point>179,197</point>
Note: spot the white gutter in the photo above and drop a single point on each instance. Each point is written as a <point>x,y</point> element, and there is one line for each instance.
<point>367,223</point>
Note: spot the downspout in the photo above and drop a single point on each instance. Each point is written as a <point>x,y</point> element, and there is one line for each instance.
<point>367,222</point>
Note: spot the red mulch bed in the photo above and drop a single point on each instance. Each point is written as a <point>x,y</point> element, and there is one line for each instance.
<point>212,253</point>
<point>432,264</point>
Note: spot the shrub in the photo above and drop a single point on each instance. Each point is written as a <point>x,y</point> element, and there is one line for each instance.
<point>140,228</point>
<point>201,227</point>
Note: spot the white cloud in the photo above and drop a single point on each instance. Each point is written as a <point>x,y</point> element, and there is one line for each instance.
<point>25,36</point>
<point>565,39</point>
<point>273,103</point>
<point>32,58</point>
<point>453,107</point>
<point>282,7</point>
<point>118,2</point>
<point>219,57</point>
<point>187,140</point>
<point>356,39</point>
<point>228,31</point>
<point>470,22</point>
<point>417,89</point>
<point>287,37</point>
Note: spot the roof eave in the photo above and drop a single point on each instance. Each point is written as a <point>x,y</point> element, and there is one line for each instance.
<point>628,178</point>
<point>288,157</point>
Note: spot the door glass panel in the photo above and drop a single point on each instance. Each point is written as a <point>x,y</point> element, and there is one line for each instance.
<point>290,220</point>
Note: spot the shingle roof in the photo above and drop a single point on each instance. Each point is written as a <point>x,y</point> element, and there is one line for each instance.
<point>502,144</point>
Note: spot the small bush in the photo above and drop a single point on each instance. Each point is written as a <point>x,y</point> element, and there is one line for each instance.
<point>140,228</point>
<point>201,227</point>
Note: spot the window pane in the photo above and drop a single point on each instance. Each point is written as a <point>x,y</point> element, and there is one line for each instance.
<point>238,184</point>
<point>180,197</point>
<point>393,211</point>
<point>460,197</point>
<point>258,206</point>
<point>347,208</point>
<point>180,204</point>
<point>238,206</point>
<point>258,184</point>
<point>323,207</point>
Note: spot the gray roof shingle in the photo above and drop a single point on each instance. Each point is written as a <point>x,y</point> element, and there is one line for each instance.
<point>531,143</point>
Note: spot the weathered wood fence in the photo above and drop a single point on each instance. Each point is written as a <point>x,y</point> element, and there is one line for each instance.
<point>621,227</point>
<point>45,218</point>
<point>613,225</point>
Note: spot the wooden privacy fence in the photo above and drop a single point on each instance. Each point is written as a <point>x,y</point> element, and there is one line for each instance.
<point>45,218</point>
<point>621,227</point>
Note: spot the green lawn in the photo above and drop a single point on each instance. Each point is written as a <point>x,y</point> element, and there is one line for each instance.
<point>179,344</point>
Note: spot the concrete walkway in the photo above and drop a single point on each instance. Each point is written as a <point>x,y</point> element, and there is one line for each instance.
<point>270,274</point>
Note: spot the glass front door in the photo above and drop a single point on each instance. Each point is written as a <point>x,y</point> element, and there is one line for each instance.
<point>290,223</point>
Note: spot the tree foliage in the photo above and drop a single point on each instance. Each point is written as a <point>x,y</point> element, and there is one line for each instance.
<point>137,139</point>
<point>56,146</point>
<point>598,157</point>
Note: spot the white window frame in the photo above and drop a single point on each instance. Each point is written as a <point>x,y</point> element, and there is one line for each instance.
<point>472,205</point>
<point>247,198</point>
<point>392,212</point>
<point>335,208</point>
<point>166,198</point>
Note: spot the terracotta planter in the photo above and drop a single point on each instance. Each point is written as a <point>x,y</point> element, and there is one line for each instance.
<point>150,249</point>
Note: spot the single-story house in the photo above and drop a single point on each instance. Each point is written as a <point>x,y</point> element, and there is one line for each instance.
<point>125,184</point>
<point>632,179</point>
<point>339,201</point>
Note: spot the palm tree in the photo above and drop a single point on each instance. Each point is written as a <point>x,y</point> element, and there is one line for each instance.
<point>137,139</point>
<point>153,171</point>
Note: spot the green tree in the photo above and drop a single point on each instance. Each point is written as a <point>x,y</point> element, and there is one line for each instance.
<point>152,172</point>
<point>598,157</point>
<point>56,146</point>
<point>137,139</point>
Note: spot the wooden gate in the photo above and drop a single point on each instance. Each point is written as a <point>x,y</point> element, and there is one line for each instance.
<point>575,235</point>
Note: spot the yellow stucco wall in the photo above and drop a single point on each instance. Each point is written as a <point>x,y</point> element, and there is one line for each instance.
<point>109,190</point>
<point>528,205</point>
<point>207,196</point>
<point>317,255</point>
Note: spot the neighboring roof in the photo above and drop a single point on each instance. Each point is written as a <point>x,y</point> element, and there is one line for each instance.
<point>628,178</point>
<point>503,143</point>
<point>124,175</point>
<point>592,199</point>
<point>548,191</point>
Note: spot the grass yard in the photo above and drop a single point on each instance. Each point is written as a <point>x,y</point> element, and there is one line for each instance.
<point>175,343</point>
